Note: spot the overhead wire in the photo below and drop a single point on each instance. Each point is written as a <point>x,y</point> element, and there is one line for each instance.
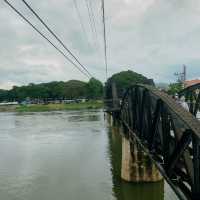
<point>57,38</point>
<point>80,20</point>
<point>92,16</point>
<point>40,33</point>
<point>104,37</point>
<point>91,22</point>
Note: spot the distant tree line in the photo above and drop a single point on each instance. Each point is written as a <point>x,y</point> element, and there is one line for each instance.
<point>72,89</point>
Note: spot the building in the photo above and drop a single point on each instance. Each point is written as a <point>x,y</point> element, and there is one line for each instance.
<point>191,82</point>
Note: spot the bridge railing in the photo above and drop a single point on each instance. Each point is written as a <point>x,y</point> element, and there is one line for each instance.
<point>192,98</point>
<point>169,134</point>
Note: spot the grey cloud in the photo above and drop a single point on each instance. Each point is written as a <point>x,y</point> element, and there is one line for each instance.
<point>152,37</point>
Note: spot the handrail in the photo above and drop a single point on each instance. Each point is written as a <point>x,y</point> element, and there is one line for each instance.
<point>192,98</point>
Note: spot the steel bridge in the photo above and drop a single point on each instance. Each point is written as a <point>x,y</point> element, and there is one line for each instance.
<point>192,97</point>
<point>167,132</point>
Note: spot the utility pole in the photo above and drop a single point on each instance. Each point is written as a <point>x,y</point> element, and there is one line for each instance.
<point>184,73</point>
<point>181,76</point>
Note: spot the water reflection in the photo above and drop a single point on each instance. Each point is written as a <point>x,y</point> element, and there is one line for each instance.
<point>129,191</point>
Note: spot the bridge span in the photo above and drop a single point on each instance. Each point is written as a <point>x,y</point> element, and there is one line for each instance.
<point>192,98</point>
<point>166,132</point>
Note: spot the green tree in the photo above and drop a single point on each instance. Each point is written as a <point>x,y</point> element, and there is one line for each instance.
<point>94,89</point>
<point>3,95</point>
<point>72,89</point>
<point>125,79</point>
<point>75,89</point>
<point>175,88</point>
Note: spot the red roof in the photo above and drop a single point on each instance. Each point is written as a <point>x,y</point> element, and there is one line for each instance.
<point>191,82</point>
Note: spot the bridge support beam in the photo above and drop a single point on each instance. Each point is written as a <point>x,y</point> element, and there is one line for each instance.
<point>112,119</point>
<point>136,165</point>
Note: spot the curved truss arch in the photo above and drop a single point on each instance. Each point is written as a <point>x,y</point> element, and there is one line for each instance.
<point>192,97</point>
<point>168,133</point>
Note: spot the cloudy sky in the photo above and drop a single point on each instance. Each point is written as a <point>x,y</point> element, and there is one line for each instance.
<point>152,37</point>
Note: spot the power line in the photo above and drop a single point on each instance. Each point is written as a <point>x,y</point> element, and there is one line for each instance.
<point>58,39</point>
<point>92,16</point>
<point>80,20</point>
<point>91,22</point>
<point>34,27</point>
<point>104,36</point>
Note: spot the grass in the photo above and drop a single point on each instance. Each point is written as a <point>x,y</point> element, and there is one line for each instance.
<point>10,108</point>
<point>55,107</point>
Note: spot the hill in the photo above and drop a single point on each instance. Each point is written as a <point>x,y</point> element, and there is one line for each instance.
<point>125,79</point>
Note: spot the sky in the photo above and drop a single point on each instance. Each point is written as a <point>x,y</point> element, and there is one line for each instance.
<point>151,37</point>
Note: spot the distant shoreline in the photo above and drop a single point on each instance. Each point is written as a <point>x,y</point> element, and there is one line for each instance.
<point>52,107</point>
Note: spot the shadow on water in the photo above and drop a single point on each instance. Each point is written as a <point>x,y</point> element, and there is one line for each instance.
<point>129,191</point>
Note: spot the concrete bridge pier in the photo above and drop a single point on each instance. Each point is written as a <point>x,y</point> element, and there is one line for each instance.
<point>112,119</point>
<point>136,165</point>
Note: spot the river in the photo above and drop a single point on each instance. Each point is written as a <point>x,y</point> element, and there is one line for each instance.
<point>72,155</point>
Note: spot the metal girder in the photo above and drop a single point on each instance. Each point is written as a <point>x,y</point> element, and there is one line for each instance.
<point>170,135</point>
<point>192,97</point>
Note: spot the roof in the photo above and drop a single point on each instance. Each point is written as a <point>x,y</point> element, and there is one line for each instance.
<point>191,82</point>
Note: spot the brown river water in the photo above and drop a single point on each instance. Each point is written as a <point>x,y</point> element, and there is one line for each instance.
<point>72,155</point>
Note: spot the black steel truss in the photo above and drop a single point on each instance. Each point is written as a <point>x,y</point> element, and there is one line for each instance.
<point>169,134</point>
<point>192,97</point>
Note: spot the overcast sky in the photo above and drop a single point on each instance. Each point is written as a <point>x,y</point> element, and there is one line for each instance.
<point>151,37</point>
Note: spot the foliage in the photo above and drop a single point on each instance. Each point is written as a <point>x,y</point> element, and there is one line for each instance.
<point>125,79</point>
<point>92,104</point>
<point>175,88</point>
<point>75,89</point>
<point>72,89</point>
<point>3,95</point>
<point>55,107</point>
<point>94,89</point>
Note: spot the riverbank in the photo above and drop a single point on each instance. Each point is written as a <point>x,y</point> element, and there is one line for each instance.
<point>52,107</point>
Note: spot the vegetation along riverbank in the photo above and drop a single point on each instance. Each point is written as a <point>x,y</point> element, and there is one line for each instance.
<point>52,107</point>
<point>70,95</point>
